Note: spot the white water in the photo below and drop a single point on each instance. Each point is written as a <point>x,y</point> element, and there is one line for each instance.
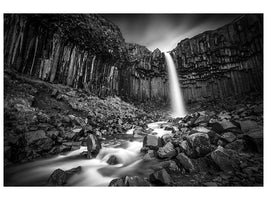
<point>95,172</point>
<point>177,102</point>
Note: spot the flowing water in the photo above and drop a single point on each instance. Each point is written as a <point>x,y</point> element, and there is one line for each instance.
<point>176,96</point>
<point>95,172</point>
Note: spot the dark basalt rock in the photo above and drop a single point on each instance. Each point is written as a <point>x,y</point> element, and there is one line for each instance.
<point>59,177</point>
<point>200,144</point>
<point>130,181</point>
<point>152,141</point>
<point>161,178</point>
<point>93,145</point>
<point>113,160</point>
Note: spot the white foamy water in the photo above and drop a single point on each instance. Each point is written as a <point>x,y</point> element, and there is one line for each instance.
<point>156,126</point>
<point>177,102</point>
<point>95,172</point>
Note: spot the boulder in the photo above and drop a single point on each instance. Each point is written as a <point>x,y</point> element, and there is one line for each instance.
<point>186,162</point>
<point>59,177</point>
<point>202,119</point>
<point>152,141</point>
<point>166,138</point>
<point>93,145</point>
<point>238,145</point>
<point>224,159</point>
<point>129,181</point>
<point>167,151</point>
<point>170,166</point>
<point>161,178</point>
<point>255,138</point>
<point>113,160</point>
<point>223,126</point>
<point>229,137</point>
<point>33,136</point>
<point>248,125</point>
<point>214,137</point>
<point>150,155</point>
<point>184,147</point>
<point>200,144</point>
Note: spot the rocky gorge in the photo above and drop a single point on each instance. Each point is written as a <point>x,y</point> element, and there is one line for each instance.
<point>71,81</point>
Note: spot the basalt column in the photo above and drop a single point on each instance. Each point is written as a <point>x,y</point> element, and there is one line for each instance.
<point>224,62</point>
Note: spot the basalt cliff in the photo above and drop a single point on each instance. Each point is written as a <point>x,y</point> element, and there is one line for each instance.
<point>89,52</point>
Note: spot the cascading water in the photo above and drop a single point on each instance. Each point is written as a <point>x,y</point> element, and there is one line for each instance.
<point>177,102</point>
<point>95,172</point>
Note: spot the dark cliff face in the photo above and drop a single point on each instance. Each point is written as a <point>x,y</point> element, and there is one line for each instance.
<point>88,51</point>
<point>214,64</point>
<point>224,62</point>
<point>145,75</point>
<point>83,51</point>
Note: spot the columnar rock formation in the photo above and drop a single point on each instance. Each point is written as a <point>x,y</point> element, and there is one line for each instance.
<point>88,51</point>
<point>83,51</point>
<point>223,62</point>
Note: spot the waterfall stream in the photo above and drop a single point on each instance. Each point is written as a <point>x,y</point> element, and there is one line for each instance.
<point>95,172</point>
<point>176,96</point>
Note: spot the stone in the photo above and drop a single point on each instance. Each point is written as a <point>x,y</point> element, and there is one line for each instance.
<point>229,137</point>
<point>184,147</point>
<point>214,137</point>
<point>167,151</point>
<point>223,126</point>
<point>93,145</point>
<point>186,162</point>
<point>161,178</point>
<point>248,125</point>
<point>223,160</point>
<point>152,141</point>
<point>170,166</point>
<point>59,177</point>
<point>150,155</point>
<point>129,181</point>
<point>113,160</point>
<point>33,136</point>
<point>238,145</point>
<point>256,136</point>
<point>202,119</point>
<point>200,144</point>
<point>166,138</point>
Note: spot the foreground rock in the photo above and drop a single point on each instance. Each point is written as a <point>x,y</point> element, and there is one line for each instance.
<point>93,145</point>
<point>161,178</point>
<point>130,181</point>
<point>59,177</point>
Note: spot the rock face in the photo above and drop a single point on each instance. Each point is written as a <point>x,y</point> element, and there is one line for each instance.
<point>88,51</point>
<point>223,62</point>
<point>69,49</point>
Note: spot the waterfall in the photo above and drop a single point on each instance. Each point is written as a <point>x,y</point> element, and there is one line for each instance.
<point>177,102</point>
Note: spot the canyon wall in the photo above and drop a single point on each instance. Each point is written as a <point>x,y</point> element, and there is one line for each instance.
<point>224,62</point>
<point>214,64</point>
<point>82,51</point>
<point>88,51</point>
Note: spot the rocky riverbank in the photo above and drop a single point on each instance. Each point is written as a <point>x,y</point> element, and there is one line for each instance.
<point>223,147</point>
<point>43,119</point>
<point>219,143</point>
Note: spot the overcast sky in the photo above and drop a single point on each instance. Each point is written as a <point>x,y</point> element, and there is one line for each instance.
<point>164,31</point>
